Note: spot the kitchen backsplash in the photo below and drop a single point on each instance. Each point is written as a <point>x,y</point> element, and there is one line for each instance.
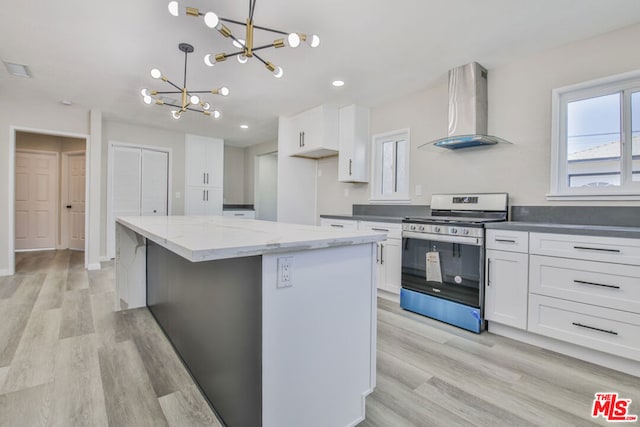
<point>621,216</point>
<point>391,210</point>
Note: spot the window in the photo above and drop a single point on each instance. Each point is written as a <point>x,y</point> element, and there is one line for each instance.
<point>390,167</point>
<point>596,139</point>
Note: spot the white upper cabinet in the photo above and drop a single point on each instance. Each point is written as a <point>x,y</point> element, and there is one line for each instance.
<point>204,170</point>
<point>353,160</point>
<point>314,133</point>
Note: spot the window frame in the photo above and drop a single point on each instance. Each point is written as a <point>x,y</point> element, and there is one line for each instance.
<point>377,141</point>
<point>625,84</point>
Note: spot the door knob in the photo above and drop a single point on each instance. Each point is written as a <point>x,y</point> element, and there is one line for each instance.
<point>68,206</point>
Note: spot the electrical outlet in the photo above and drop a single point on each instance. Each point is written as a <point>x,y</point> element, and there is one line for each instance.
<point>284,272</point>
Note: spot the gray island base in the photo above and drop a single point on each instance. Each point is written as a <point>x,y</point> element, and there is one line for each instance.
<point>264,352</point>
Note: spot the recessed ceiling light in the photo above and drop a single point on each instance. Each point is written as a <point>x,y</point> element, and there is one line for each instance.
<point>244,126</point>
<point>17,69</point>
<point>337,83</point>
<point>66,102</point>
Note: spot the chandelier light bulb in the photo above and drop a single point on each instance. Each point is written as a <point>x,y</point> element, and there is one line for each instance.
<point>208,61</point>
<point>313,40</point>
<point>240,43</point>
<point>144,92</point>
<point>279,72</point>
<point>293,40</point>
<point>206,106</point>
<point>211,20</point>
<point>147,100</point>
<point>242,59</point>
<point>155,73</point>
<point>216,114</point>
<point>194,99</point>
<point>175,114</point>
<point>173,8</point>
<point>224,91</point>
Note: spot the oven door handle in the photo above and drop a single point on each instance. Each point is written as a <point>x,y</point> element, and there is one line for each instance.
<point>474,241</point>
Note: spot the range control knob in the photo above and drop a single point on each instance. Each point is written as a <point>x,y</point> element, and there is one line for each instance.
<point>421,228</point>
<point>436,229</point>
<point>454,230</point>
<point>413,227</point>
<point>465,231</point>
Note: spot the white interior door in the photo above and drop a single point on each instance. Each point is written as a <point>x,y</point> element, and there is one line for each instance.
<point>155,168</point>
<point>36,195</point>
<point>73,211</point>
<point>125,188</point>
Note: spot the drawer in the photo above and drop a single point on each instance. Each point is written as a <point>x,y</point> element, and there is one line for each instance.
<point>504,240</point>
<point>603,329</point>
<point>247,214</point>
<point>593,248</point>
<point>393,230</point>
<point>609,285</point>
<point>339,223</point>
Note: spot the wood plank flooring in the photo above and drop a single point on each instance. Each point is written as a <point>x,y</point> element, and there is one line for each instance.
<point>68,359</point>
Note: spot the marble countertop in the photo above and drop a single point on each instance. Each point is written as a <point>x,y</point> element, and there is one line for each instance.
<point>588,230</point>
<point>371,218</point>
<point>205,238</point>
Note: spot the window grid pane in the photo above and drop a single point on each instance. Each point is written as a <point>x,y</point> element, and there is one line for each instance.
<point>635,136</point>
<point>594,142</point>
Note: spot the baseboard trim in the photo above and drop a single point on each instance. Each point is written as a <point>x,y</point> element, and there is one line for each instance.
<point>105,258</point>
<point>6,273</point>
<point>94,266</point>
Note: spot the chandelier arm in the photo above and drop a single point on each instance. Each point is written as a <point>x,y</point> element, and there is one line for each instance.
<point>200,91</point>
<point>185,69</point>
<point>232,21</point>
<point>168,91</point>
<point>183,108</point>
<point>174,85</point>
<point>261,60</point>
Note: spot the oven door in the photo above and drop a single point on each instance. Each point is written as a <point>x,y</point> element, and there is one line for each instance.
<point>449,267</point>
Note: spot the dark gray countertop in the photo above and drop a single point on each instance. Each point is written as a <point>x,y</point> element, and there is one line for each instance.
<point>372,218</point>
<point>588,230</point>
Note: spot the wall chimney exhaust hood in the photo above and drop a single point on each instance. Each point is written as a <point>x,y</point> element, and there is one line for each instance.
<point>467,110</point>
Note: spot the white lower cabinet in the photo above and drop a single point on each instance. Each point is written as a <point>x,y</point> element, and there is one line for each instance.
<point>603,329</point>
<point>204,201</point>
<point>506,289</point>
<point>339,223</point>
<point>389,257</point>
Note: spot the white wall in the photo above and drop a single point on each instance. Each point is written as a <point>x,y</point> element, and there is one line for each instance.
<point>266,187</point>
<point>519,111</point>
<point>249,166</point>
<point>234,175</point>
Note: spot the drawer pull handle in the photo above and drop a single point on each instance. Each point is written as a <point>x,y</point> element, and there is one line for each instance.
<point>586,248</point>
<point>582,282</point>
<point>380,229</point>
<point>337,225</point>
<point>505,241</point>
<point>594,328</point>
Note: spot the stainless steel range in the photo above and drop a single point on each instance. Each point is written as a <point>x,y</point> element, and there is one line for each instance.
<point>443,258</point>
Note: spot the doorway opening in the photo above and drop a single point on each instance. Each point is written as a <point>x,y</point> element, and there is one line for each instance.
<point>265,197</point>
<point>47,192</point>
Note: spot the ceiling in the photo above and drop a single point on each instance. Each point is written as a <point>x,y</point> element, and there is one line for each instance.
<point>98,54</point>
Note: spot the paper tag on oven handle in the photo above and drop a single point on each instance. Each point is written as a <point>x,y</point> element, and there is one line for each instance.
<point>434,273</point>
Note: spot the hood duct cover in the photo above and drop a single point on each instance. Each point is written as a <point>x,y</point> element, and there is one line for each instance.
<point>467,109</point>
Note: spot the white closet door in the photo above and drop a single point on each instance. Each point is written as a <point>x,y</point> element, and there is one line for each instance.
<point>155,168</point>
<point>36,195</point>
<point>125,188</point>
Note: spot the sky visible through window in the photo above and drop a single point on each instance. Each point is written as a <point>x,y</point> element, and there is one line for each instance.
<point>595,122</point>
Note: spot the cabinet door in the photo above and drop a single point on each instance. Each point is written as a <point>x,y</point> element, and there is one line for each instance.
<point>196,203</point>
<point>213,200</point>
<point>390,262</point>
<point>196,160</point>
<point>155,168</point>
<point>506,289</point>
<point>353,157</point>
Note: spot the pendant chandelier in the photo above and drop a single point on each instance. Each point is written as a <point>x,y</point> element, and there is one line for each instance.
<point>189,101</point>
<point>246,46</point>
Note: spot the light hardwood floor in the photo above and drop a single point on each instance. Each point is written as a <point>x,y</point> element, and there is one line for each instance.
<point>68,359</point>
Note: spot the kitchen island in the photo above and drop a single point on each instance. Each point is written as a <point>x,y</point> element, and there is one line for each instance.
<point>276,322</point>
